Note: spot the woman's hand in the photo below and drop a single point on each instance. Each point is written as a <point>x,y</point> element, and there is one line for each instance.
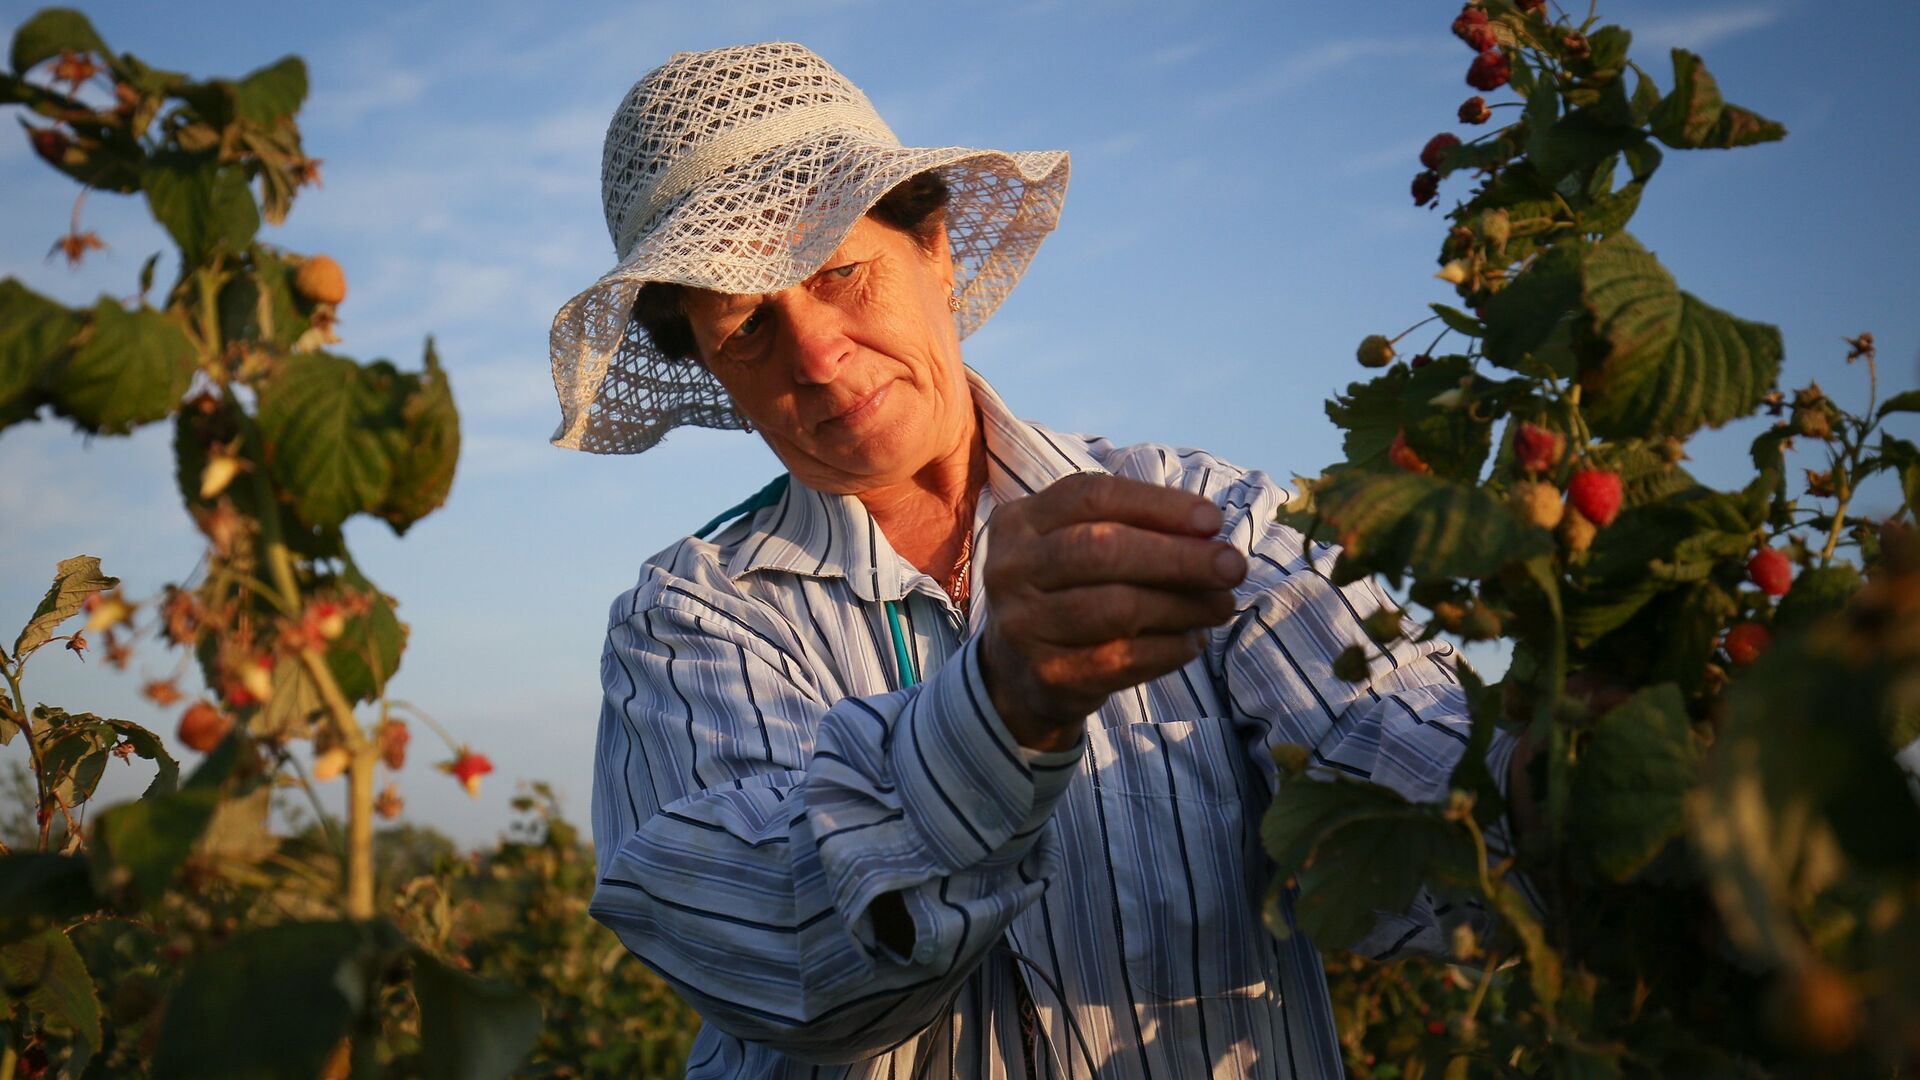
<point>1098,583</point>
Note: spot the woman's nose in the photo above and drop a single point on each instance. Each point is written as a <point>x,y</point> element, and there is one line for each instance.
<point>818,339</point>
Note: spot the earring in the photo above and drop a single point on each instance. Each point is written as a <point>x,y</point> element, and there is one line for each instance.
<point>953,302</point>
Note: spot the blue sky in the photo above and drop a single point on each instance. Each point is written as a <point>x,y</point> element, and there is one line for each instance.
<point>1237,220</point>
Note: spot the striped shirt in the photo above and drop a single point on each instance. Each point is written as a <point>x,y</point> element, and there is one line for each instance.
<point>765,770</point>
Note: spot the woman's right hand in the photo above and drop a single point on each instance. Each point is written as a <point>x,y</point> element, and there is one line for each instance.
<point>1097,583</point>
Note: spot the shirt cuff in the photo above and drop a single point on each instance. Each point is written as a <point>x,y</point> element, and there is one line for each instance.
<point>974,792</point>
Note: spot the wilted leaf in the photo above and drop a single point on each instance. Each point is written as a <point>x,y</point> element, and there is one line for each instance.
<point>130,368</point>
<point>33,331</point>
<point>1671,362</point>
<point>51,32</point>
<point>46,973</point>
<point>1694,116</point>
<point>74,580</point>
<point>472,1029</point>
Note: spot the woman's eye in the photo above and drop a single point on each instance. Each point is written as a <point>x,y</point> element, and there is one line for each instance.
<point>747,326</point>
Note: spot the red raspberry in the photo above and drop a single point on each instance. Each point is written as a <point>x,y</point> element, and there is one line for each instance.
<point>1436,1027</point>
<point>1531,6</point>
<point>1403,456</point>
<point>1474,110</point>
<point>1420,361</point>
<point>1489,71</point>
<point>1770,570</point>
<point>1536,448</point>
<point>1746,641</point>
<point>1436,149</point>
<point>49,143</point>
<point>1471,27</point>
<point>1426,187</point>
<point>1596,494</point>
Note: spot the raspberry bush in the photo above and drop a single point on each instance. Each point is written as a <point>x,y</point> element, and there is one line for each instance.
<point>1704,859</point>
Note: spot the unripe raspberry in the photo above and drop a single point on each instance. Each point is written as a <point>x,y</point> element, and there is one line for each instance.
<point>1536,448</point>
<point>1596,494</point>
<point>1425,188</point>
<point>1474,110</point>
<point>1536,503</point>
<point>1770,570</point>
<point>1489,70</point>
<point>49,143</point>
<point>1375,351</point>
<point>1575,532</point>
<point>1432,154</point>
<point>1450,614</point>
<point>1383,625</point>
<point>1746,641</point>
<point>1480,624</point>
<point>1403,456</point>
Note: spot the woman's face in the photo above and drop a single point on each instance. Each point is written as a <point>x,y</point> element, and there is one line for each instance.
<point>853,376</point>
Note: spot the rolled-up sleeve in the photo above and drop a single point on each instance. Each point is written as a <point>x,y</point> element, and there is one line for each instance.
<point>746,824</point>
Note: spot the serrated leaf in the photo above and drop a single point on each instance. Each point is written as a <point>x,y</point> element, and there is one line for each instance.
<point>329,437</point>
<point>1671,362</point>
<point>272,92</point>
<point>1452,439</point>
<point>204,205</point>
<point>1522,316</point>
<point>46,973</point>
<point>1357,848</point>
<point>51,32</point>
<point>1631,783</point>
<point>1369,415</point>
<point>423,471</point>
<point>1693,115</point>
<point>471,1028</point>
<point>130,368</point>
<point>1432,527</point>
<point>299,985</point>
<point>33,332</point>
<point>1815,593</point>
<point>367,653</point>
<point>74,580</point>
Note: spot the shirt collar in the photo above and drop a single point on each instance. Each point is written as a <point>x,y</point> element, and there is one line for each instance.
<point>820,534</point>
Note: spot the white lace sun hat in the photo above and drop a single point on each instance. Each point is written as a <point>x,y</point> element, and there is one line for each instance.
<point>741,170</point>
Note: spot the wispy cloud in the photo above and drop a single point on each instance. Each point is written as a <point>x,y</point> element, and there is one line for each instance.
<point>1303,67</point>
<point>1702,29</point>
<point>1178,52</point>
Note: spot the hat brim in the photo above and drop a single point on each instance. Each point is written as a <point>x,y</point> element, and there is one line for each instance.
<point>772,224</point>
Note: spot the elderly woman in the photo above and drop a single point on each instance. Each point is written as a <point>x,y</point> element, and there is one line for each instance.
<point>947,757</point>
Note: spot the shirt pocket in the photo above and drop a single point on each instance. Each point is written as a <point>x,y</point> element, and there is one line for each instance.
<point>1174,799</point>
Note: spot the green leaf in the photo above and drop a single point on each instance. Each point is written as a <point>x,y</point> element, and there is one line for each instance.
<point>1431,527</point>
<point>1357,848</point>
<point>298,987</point>
<point>1522,316</point>
<point>1458,321</point>
<point>1670,363</point>
<point>33,331</point>
<point>1453,439</point>
<point>1818,592</point>
<point>471,1029</point>
<point>423,472</point>
<point>1631,783</point>
<point>1693,116</point>
<point>136,847</point>
<point>272,92</point>
<point>51,32</point>
<point>37,887</point>
<point>328,432</point>
<point>73,753</point>
<point>74,580</point>
<point>1905,401</point>
<point>1369,415</point>
<point>130,368</point>
<point>367,653</point>
<point>46,973</point>
<point>204,205</point>
<point>1610,213</point>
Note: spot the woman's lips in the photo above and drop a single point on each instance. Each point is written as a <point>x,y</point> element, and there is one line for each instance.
<point>865,409</point>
